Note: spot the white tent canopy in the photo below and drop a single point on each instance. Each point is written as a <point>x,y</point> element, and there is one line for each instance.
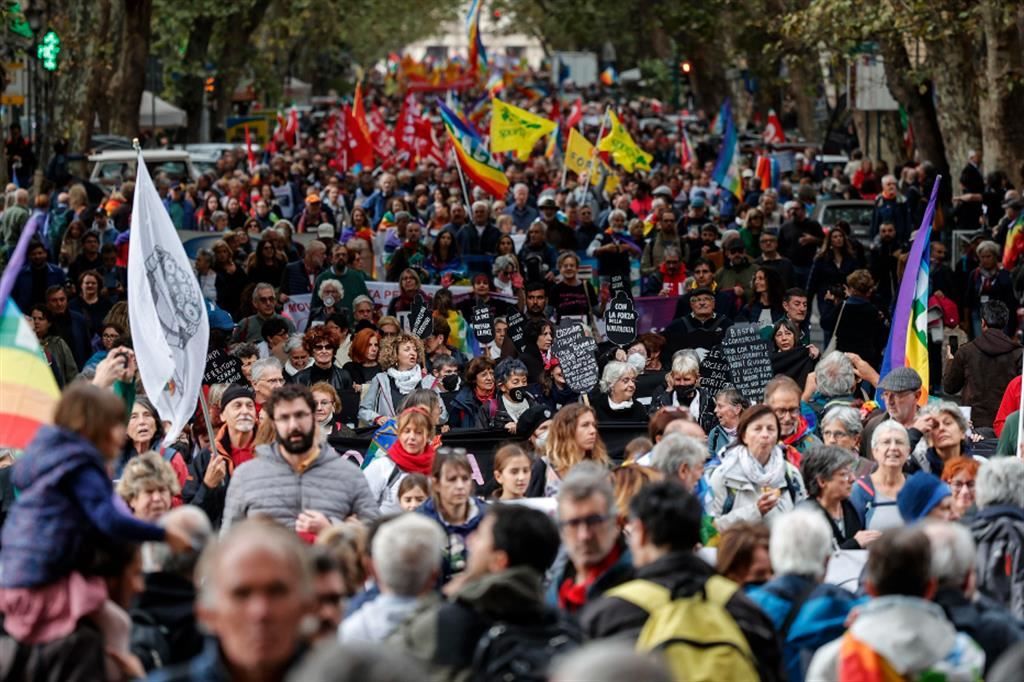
<point>159,113</point>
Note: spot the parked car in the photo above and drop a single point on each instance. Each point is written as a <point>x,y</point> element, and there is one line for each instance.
<point>857,212</point>
<point>111,168</point>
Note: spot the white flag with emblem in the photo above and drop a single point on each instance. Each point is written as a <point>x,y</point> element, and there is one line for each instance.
<point>170,330</point>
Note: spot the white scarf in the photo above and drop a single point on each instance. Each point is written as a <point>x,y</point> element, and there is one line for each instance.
<point>771,475</point>
<point>514,409</point>
<point>619,406</point>
<point>406,380</point>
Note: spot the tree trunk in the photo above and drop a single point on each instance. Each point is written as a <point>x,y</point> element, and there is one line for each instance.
<point>916,98</point>
<point>803,80</point>
<point>72,89</point>
<point>130,75</point>
<point>707,77</point>
<point>190,86</point>
<point>955,67</point>
<point>235,53</point>
<point>1002,101</point>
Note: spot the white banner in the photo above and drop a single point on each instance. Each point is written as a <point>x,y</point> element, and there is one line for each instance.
<point>165,309</point>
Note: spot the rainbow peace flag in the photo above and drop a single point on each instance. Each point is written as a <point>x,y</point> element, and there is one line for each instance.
<point>1014,243</point>
<point>727,170</point>
<point>477,53</point>
<point>767,172</point>
<point>28,391</point>
<point>908,337</point>
<point>473,157</point>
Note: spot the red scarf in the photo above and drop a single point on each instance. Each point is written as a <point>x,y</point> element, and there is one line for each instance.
<point>572,595</point>
<point>410,463</point>
<point>487,400</point>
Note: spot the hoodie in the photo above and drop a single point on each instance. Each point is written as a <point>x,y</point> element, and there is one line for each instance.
<point>914,638</point>
<point>980,371</point>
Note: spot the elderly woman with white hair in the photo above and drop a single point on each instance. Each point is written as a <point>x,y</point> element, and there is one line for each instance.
<point>331,292</point>
<point>998,530</point>
<point>841,427</point>
<point>828,475</point>
<point>990,281</point>
<point>947,438</point>
<point>298,357</point>
<point>614,400</point>
<point>808,611</point>
<point>874,495</point>
<point>683,380</point>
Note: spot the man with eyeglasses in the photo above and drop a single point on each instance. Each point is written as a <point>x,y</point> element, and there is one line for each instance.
<point>900,389</point>
<point>782,394</point>
<point>598,558</point>
<point>703,277</point>
<point>264,300</point>
<point>313,486</point>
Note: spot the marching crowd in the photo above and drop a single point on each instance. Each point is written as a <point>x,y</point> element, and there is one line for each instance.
<point>264,544</point>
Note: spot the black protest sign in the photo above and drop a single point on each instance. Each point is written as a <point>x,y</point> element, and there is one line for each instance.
<point>619,282</point>
<point>483,323</point>
<point>620,320</point>
<point>517,330</point>
<point>577,356</point>
<point>222,368</point>
<point>421,321</point>
<point>714,376</point>
<point>750,365</point>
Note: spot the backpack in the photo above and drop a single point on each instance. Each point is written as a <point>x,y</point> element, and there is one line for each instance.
<point>150,641</point>
<point>522,653</point>
<point>1000,561</point>
<point>698,638</point>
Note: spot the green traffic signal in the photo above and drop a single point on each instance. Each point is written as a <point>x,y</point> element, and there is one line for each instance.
<point>48,50</point>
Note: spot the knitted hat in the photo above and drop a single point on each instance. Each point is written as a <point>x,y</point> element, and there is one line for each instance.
<point>531,420</point>
<point>921,493</point>
<point>234,392</point>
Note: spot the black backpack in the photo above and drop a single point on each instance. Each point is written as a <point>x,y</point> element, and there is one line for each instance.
<point>522,653</point>
<point>150,641</point>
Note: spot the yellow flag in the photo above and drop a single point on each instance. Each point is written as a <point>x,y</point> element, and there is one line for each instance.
<point>578,153</point>
<point>516,130</point>
<point>622,148</point>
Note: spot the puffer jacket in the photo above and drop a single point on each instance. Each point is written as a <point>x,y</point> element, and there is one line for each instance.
<point>980,372</point>
<point>269,485</point>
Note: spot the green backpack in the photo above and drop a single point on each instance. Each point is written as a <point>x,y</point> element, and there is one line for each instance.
<point>696,635</point>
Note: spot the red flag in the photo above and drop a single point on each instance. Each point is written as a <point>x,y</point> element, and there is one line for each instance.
<point>405,130</point>
<point>340,160</point>
<point>575,114</point>
<point>359,150</point>
<point>248,150</point>
<point>427,148</point>
<point>773,130</point>
<point>291,131</point>
<point>383,140</point>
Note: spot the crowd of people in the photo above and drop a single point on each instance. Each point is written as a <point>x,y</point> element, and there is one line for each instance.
<point>321,521</point>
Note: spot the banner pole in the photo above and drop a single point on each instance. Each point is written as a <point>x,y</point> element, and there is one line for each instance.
<point>593,152</point>
<point>462,180</point>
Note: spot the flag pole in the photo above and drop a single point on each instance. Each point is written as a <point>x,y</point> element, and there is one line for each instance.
<point>462,179</point>
<point>204,406</point>
<point>593,152</point>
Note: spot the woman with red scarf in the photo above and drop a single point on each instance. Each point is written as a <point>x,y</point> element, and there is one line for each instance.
<point>411,453</point>
<point>475,405</point>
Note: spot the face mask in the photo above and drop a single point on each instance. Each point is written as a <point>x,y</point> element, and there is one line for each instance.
<point>637,362</point>
<point>541,441</point>
<point>329,301</point>
<point>517,394</point>
<point>685,394</point>
<point>450,382</point>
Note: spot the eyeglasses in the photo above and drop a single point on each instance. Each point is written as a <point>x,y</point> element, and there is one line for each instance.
<point>592,521</point>
<point>783,411</point>
<point>957,486</point>
<point>835,434</point>
<point>325,403</point>
<point>323,346</point>
<point>298,416</point>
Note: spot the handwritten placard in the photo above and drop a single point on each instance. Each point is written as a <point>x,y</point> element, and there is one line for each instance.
<point>577,355</point>
<point>222,368</point>
<point>483,323</point>
<point>620,320</point>
<point>517,330</point>
<point>421,321</point>
<point>750,364</point>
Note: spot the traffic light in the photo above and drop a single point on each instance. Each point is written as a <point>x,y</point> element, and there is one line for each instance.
<point>210,84</point>
<point>685,67</point>
<point>48,50</point>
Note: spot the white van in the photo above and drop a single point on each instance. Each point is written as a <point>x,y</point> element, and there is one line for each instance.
<point>111,168</point>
